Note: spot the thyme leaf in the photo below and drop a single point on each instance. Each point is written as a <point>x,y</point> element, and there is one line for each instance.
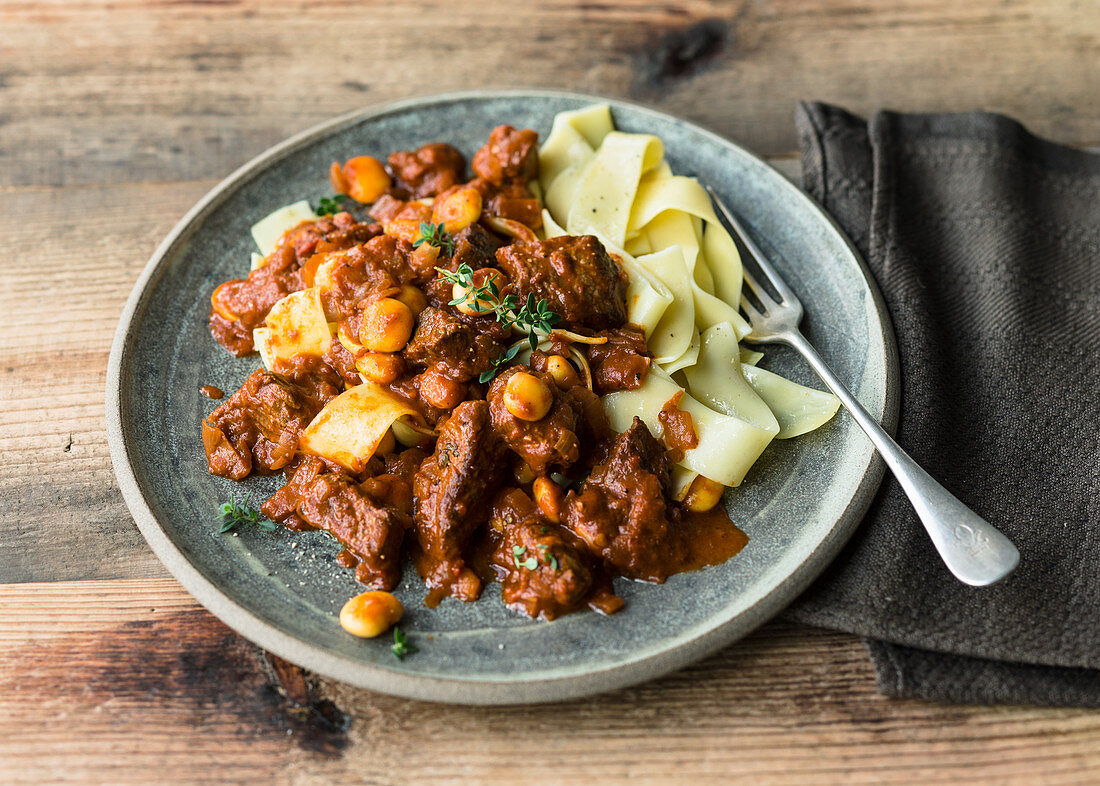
<point>436,235</point>
<point>237,512</point>
<point>330,205</point>
<point>401,644</point>
<point>532,318</point>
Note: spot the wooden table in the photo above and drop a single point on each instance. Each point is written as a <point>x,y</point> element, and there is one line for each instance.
<point>116,116</point>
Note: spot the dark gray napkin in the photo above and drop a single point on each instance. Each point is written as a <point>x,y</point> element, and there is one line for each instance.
<point>985,242</point>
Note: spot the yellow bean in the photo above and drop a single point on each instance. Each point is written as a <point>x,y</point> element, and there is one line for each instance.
<point>366,179</point>
<point>380,368</point>
<point>458,209</point>
<point>703,494</point>
<point>387,325</point>
<point>562,371</point>
<point>413,298</point>
<point>527,397</point>
<point>441,391</point>
<point>370,613</point>
<point>548,496</point>
<point>480,277</point>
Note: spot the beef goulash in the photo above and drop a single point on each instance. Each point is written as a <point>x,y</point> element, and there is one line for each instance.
<point>432,390</point>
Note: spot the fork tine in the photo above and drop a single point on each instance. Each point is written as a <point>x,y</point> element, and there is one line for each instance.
<point>773,277</point>
<point>761,294</point>
<point>750,309</point>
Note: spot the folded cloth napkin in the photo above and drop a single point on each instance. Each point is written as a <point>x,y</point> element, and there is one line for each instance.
<point>985,241</point>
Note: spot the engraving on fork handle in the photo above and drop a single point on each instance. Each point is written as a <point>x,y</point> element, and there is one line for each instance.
<point>973,541</point>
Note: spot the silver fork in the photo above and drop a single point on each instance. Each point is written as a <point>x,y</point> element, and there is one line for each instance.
<point>974,551</point>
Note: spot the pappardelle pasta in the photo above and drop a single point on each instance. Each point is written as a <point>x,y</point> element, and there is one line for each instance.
<point>534,375</point>
<point>684,283</point>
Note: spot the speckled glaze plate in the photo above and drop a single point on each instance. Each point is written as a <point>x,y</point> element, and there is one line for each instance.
<point>283,591</point>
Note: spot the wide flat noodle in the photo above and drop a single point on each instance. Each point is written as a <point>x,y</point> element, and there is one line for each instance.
<point>798,409</point>
<point>605,192</point>
<point>267,231</point>
<point>572,140</point>
<point>716,380</point>
<point>728,446</point>
<point>672,335</point>
<point>351,426</point>
<point>689,358</point>
<point>295,325</point>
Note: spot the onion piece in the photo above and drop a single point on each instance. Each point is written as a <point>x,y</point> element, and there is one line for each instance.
<point>577,337</point>
<point>507,226</point>
<point>581,361</point>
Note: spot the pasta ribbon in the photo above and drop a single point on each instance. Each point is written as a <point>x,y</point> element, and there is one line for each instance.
<point>717,381</point>
<point>798,409</point>
<point>672,335</point>
<point>351,426</point>
<point>267,231</point>
<point>295,325</point>
<point>606,188</point>
<point>728,446</point>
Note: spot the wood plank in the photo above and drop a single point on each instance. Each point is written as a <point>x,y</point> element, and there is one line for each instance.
<point>57,488</point>
<point>124,681</point>
<point>131,91</point>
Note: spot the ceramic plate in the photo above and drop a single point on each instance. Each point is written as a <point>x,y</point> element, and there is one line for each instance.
<point>283,591</point>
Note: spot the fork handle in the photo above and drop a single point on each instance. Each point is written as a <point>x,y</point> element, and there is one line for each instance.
<point>974,551</point>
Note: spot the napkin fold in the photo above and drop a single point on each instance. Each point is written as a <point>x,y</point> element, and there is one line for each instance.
<point>985,242</point>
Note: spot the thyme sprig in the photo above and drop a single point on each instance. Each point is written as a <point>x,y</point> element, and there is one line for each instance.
<point>435,235</point>
<point>237,512</point>
<point>330,205</point>
<point>517,557</point>
<point>531,316</point>
<point>401,644</point>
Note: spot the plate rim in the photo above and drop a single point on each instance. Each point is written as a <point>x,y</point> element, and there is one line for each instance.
<point>472,691</point>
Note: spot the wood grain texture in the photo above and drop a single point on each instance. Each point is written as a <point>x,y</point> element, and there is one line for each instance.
<point>116,116</point>
<point>144,682</point>
<point>154,91</point>
<point>64,516</point>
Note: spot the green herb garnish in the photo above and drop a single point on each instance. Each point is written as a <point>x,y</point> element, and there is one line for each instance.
<point>401,644</point>
<point>551,560</point>
<point>330,205</point>
<point>234,513</point>
<point>533,317</point>
<point>435,235</point>
<point>500,362</point>
<point>517,554</point>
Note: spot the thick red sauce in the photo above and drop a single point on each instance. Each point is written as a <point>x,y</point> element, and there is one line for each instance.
<point>211,392</point>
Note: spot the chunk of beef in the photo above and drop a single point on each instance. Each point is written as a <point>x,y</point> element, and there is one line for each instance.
<point>368,518</point>
<point>581,283</point>
<point>451,493</point>
<point>406,463</point>
<point>428,171</point>
<point>550,442</point>
<point>258,427</point>
<point>509,156</point>
<point>541,575</point>
<point>623,512</point>
<point>353,274</point>
<point>466,346</point>
<point>476,247</point>
<point>621,362</point>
